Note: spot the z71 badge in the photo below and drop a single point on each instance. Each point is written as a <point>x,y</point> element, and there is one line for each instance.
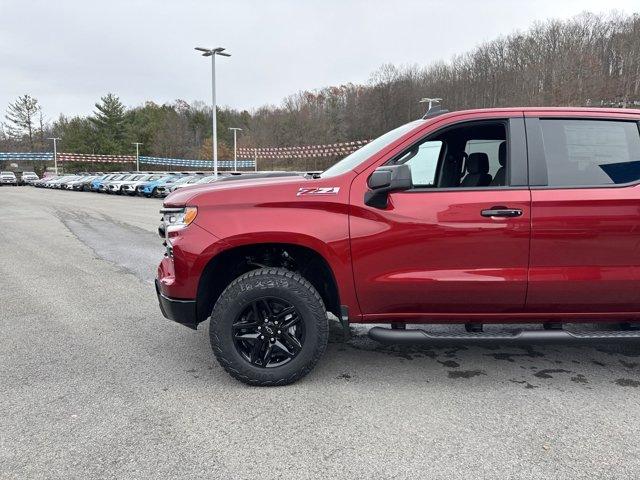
<point>318,191</point>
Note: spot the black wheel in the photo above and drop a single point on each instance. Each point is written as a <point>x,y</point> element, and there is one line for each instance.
<point>269,327</point>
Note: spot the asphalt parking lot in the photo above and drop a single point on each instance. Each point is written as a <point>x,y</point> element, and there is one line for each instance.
<point>95,383</point>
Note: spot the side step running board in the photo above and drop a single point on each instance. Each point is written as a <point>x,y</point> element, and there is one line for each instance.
<point>522,337</point>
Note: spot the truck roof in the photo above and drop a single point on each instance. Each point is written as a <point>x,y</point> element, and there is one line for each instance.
<point>577,110</point>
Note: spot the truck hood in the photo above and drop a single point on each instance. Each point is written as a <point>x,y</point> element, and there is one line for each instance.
<point>188,194</point>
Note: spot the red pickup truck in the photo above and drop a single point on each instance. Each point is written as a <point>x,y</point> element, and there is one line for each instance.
<point>519,215</point>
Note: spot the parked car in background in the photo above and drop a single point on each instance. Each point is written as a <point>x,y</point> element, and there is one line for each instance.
<point>62,184</point>
<point>86,183</point>
<point>131,187</point>
<point>96,182</point>
<point>114,186</point>
<point>80,183</point>
<point>54,182</point>
<point>182,182</point>
<point>27,178</point>
<point>104,185</point>
<point>150,189</point>
<point>40,183</point>
<point>44,181</point>
<point>69,184</point>
<point>149,184</point>
<point>8,178</point>
<point>209,179</point>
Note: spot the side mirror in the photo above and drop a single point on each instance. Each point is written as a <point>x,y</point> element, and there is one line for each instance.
<point>384,180</point>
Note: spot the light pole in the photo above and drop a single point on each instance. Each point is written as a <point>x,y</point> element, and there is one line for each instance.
<point>235,147</point>
<point>137,144</point>
<point>430,101</point>
<point>55,153</point>
<point>212,52</point>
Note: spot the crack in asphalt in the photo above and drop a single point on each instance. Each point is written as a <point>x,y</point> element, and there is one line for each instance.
<point>131,248</point>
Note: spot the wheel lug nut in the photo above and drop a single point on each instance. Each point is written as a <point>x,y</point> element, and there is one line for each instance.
<point>273,339</point>
<point>259,328</point>
<point>262,337</point>
<point>279,331</point>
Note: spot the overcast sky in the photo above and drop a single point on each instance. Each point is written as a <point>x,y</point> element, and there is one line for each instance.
<point>69,53</point>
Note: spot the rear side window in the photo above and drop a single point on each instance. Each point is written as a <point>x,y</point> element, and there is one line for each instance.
<point>591,152</point>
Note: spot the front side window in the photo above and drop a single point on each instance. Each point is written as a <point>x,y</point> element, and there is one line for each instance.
<point>465,156</point>
<point>591,152</point>
<point>423,162</point>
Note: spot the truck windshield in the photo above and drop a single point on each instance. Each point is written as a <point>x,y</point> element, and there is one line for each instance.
<point>356,158</point>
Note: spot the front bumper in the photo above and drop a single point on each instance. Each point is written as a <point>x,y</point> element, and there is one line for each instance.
<point>180,311</point>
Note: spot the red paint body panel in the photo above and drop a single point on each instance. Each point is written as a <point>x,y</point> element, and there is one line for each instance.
<point>270,211</point>
<point>585,250</point>
<point>179,276</point>
<point>433,253</point>
<point>430,256</point>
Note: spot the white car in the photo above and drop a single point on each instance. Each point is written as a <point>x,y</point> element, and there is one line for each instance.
<point>130,187</point>
<point>8,178</point>
<point>27,178</point>
<point>115,185</point>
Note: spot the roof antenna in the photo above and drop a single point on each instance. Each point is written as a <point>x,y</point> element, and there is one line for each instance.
<point>433,110</point>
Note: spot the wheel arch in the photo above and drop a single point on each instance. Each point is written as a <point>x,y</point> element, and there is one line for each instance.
<point>229,264</point>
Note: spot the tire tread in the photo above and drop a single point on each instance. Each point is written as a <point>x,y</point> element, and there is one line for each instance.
<point>303,287</point>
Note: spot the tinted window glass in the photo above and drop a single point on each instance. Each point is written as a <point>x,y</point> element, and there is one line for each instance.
<point>591,152</point>
<point>491,148</point>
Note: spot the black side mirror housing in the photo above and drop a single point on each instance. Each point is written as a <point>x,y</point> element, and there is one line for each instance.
<point>384,180</point>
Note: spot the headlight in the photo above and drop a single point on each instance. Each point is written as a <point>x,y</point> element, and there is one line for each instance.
<point>178,218</point>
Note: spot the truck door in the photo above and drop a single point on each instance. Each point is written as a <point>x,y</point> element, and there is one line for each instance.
<point>458,241</point>
<point>585,245</point>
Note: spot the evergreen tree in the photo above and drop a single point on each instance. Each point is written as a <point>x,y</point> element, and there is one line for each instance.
<point>77,134</point>
<point>110,124</point>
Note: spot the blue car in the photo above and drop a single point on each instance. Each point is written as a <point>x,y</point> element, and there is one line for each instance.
<point>150,189</point>
<point>95,184</point>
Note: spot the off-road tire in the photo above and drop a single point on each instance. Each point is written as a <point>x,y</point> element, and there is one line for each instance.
<point>273,282</point>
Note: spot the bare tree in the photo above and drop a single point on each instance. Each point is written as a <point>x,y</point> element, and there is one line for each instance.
<point>22,117</point>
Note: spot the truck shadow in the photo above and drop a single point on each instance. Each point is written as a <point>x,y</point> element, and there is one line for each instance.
<point>360,362</point>
<point>528,367</point>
